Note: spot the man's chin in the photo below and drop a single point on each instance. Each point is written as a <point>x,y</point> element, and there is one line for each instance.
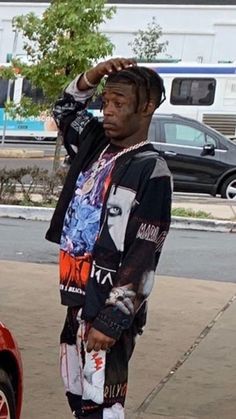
<point>110,131</point>
<point>113,136</point>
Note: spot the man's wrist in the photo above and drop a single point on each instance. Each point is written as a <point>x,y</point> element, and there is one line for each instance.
<point>94,75</point>
<point>89,84</point>
<point>89,79</point>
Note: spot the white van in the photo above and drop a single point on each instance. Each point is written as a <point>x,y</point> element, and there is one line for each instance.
<point>205,92</point>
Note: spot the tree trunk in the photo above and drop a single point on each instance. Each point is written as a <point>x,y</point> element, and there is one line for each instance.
<point>57,154</point>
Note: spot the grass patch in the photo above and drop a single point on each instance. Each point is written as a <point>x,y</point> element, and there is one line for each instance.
<point>27,203</point>
<point>183,212</point>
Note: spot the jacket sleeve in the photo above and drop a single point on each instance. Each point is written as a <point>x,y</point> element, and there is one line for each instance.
<point>80,130</point>
<point>71,115</point>
<point>146,232</point>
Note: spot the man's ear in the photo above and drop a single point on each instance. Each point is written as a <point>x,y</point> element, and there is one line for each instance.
<point>149,108</point>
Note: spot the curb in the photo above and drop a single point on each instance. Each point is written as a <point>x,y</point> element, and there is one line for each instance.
<point>220,226</point>
<point>26,213</point>
<point>181,223</point>
<point>20,153</point>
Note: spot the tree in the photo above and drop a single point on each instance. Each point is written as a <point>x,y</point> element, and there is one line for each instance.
<point>146,45</point>
<point>62,43</point>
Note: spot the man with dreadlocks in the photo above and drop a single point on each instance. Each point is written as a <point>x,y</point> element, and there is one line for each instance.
<point>111,221</point>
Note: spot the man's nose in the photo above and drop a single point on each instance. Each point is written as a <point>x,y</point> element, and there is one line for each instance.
<point>108,109</point>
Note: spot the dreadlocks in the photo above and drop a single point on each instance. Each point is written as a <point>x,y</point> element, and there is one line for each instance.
<point>148,84</point>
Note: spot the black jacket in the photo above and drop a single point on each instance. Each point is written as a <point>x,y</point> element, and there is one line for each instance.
<point>125,255</point>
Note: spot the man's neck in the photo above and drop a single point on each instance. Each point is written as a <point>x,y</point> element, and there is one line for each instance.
<point>130,141</point>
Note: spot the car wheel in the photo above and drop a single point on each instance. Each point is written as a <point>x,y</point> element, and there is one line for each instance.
<point>7,397</point>
<point>228,189</point>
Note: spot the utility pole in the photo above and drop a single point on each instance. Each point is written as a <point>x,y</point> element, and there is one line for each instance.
<point>10,82</point>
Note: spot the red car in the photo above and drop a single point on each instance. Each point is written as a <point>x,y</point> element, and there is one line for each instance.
<point>11,375</point>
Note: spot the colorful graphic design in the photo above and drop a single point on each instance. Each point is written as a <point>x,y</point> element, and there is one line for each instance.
<point>74,272</point>
<point>81,227</point>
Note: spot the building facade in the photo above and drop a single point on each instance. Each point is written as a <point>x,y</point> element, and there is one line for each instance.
<point>203,31</point>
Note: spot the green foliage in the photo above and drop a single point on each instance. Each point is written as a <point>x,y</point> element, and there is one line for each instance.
<point>30,186</point>
<point>8,73</point>
<point>62,43</point>
<point>25,108</point>
<point>146,45</point>
<point>187,212</point>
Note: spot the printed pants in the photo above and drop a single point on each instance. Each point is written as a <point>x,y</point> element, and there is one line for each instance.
<point>95,382</point>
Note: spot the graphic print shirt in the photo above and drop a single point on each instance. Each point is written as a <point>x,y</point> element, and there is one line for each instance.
<point>80,231</point>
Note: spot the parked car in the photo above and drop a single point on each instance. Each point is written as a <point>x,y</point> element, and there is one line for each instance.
<point>10,376</point>
<point>201,159</point>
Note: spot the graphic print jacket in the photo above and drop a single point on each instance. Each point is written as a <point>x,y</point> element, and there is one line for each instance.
<point>134,222</point>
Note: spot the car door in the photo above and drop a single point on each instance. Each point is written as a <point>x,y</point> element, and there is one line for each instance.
<point>194,168</point>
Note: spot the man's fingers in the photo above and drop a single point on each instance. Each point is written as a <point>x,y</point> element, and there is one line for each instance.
<point>118,64</point>
<point>107,67</point>
<point>97,341</point>
<point>121,63</point>
<point>93,346</point>
<point>105,347</point>
<point>90,343</point>
<point>97,347</point>
<point>114,65</point>
<point>89,347</point>
<point>127,62</point>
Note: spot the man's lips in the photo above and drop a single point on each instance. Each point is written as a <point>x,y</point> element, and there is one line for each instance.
<point>108,125</point>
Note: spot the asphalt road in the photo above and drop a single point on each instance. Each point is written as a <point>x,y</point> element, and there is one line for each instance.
<point>43,162</point>
<point>190,254</point>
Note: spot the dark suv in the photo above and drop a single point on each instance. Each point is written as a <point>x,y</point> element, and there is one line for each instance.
<point>201,159</point>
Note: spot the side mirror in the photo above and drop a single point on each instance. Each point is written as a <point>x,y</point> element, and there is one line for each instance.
<point>208,150</point>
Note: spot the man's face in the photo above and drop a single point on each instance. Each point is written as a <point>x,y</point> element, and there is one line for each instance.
<point>121,118</point>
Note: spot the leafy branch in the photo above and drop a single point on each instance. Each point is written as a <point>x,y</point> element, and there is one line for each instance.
<point>146,45</point>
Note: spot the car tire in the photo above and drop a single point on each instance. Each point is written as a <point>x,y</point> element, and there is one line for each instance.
<point>228,187</point>
<point>7,397</point>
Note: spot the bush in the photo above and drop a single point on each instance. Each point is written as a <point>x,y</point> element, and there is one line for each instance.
<point>30,186</point>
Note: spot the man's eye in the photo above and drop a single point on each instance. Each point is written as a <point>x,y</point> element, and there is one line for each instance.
<point>118,104</point>
<point>114,211</point>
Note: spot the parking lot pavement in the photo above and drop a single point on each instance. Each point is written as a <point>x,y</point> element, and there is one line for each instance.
<point>180,310</point>
<point>204,387</point>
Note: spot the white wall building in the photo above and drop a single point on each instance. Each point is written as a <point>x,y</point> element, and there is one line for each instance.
<point>195,32</point>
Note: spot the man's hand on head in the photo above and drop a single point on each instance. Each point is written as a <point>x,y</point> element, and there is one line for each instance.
<point>97,341</point>
<point>95,74</point>
<point>114,64</point>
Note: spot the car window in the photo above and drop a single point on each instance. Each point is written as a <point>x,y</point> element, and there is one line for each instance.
<point>182,134</point>
<point>193,91</point>
<point>211,140</point>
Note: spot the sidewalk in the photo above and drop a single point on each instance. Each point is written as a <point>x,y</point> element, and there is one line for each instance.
<point>184,364</point>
